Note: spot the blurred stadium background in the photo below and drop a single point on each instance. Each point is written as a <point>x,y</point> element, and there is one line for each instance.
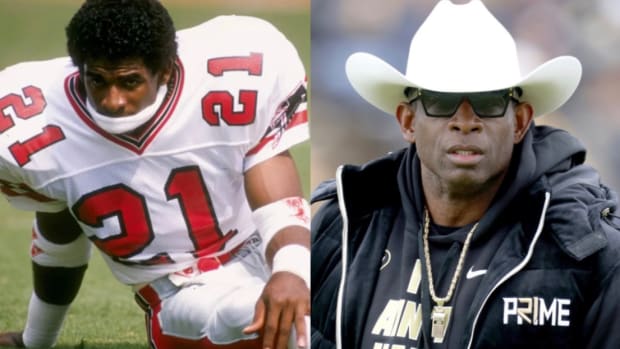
<point>346,129</point>
<point>104,315</point>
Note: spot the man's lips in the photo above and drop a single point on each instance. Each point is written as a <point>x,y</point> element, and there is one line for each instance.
<point>465,154</point>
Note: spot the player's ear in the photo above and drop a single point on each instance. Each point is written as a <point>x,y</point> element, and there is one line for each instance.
<point>405,115</point>
<point>523,114</point>
<point>164,75</point>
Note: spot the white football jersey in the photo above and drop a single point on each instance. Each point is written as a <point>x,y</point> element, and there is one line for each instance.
<point>154,202</point>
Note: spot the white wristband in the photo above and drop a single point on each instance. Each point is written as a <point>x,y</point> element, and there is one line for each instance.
<point>294,259</point>
<point>273,217</point>
<point>43,324</point>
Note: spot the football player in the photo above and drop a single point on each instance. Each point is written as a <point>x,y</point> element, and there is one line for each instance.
<point>169,152</point>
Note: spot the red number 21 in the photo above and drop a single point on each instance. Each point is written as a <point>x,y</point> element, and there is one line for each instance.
<point>184,184</point>
<point>224,100</point>
<point>22,151</point>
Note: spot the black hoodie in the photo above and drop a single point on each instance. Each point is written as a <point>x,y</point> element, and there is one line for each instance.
<point>550,239</point>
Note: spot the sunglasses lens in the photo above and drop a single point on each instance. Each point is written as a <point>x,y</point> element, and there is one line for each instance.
<point>440,104</point>
<point>489,104</point>
<point>485,104</point>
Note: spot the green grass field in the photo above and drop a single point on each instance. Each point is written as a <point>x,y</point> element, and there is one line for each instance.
<point>104,316</point>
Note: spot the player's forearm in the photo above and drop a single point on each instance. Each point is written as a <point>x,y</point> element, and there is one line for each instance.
<point>292,235</point>
<point>289,251</point>
<point>281,215</point>
<point>285,228</point>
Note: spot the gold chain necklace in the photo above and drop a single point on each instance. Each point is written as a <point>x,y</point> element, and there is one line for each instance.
<point>440,315</point>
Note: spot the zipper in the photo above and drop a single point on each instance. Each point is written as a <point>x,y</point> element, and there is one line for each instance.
<point>519,267</point>
<point>345,247</point>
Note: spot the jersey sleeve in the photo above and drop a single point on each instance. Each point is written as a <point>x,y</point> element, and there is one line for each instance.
<point>286,124</point>
<point>22,197</point>
<point>23,109</point>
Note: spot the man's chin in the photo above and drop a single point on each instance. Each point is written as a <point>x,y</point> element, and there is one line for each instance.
<point>466,183</point>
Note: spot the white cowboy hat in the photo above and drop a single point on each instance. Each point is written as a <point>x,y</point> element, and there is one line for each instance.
<point>463,48</point>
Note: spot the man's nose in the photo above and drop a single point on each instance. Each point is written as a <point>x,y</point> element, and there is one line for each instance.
<point>465,119</point>
<point>114,102</point>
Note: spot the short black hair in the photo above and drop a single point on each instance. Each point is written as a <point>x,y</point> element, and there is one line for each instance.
<point>114,30</point>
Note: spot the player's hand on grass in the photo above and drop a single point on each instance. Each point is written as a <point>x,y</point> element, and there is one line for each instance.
<point>284,303</point>
<point>11,339</point>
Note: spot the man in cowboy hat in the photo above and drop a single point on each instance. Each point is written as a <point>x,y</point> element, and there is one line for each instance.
<point>487,231</point>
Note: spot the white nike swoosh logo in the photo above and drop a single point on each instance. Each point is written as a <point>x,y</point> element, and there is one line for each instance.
<point>471,273</point>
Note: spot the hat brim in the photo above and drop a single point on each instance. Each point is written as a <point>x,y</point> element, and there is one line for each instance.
<point>546,88</point>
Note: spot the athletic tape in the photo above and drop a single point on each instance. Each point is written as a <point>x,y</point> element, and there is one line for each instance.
<point>273,217</point>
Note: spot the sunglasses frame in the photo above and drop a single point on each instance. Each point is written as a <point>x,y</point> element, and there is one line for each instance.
<point>508,95</point>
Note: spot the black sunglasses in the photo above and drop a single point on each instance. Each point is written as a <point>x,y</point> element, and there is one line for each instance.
<point>490,104</point>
